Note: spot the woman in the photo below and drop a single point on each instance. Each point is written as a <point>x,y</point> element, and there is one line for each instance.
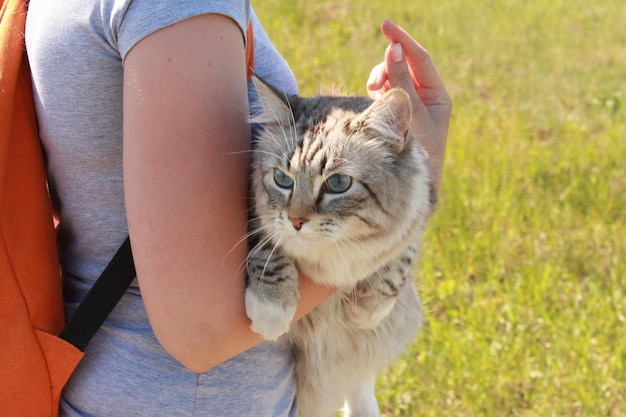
<point>143,108</point>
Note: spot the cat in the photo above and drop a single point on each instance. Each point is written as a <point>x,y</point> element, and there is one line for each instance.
<point>341,192</point>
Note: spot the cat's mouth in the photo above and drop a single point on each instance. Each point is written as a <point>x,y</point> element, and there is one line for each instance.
<point>294,225</point>
<point>301,229</point>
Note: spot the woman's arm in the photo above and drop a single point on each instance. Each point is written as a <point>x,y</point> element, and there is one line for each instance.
<point>185,179</point>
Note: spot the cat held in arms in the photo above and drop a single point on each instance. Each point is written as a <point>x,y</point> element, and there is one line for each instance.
<point>341,192</point>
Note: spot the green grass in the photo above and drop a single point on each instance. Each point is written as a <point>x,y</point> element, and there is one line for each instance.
<point>524,265</point>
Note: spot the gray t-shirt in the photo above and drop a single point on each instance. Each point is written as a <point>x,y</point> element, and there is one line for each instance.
<point>76,50</point>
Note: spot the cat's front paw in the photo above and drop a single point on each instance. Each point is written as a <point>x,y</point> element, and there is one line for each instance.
<point>270,320</point>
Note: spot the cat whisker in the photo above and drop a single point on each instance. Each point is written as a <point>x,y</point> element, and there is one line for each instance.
<point>255,151</point>
<point>246,236</point>
<point>250,233</point>
<point>267,262</point>
<point>252,253</point>
<point>240,152</point>
<point>272,154</point>
<point>286,133</point>
<point>283,141</point>
<point>266,238</point>
<point>281,144</point>
<point>292,125</point>
<point>339,246</point>
<point>356,245</point>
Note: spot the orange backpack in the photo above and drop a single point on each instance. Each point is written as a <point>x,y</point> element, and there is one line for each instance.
<point>35,363</point>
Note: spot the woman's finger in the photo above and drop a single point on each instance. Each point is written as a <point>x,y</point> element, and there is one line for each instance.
<point>377,78</point>
<point>397,70</point>
<point>399,75</point>
<point>418,58</point>
<point>424,75</point>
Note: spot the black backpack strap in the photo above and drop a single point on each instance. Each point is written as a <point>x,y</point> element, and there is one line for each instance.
<point>101,298</point>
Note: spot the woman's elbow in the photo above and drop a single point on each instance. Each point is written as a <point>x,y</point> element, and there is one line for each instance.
<point>197,354</point>
<point>201,350</point>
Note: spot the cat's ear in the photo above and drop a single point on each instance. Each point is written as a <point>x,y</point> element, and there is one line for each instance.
<point>274,105</point>
<point>390,115</point>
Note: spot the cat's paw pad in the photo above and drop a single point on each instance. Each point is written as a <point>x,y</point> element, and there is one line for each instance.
<point>368,318</point>
<point>270,320</point>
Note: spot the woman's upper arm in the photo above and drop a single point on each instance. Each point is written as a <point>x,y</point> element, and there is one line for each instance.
<point>185,179</point>
<point>186,136</point>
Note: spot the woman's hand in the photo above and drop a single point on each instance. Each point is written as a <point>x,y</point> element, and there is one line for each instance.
<point>408,65</point>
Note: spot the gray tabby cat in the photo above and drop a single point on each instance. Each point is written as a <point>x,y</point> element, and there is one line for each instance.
<point>341,192</point>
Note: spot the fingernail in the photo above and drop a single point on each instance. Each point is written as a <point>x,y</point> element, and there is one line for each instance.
<point>396,53</point>
<point>389,22</point>
<point>373,79</point>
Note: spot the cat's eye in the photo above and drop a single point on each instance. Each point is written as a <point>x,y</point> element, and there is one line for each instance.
<point>282,180</point>
<point>338,183</point>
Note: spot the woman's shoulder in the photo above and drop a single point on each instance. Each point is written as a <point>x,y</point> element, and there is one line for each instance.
<point>129,21</point>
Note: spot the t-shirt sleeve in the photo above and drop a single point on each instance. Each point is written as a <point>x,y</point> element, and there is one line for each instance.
<point>133,20</point>
<point>268,63</point>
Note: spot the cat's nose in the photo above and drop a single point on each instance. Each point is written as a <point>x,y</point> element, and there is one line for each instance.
<point>297,222</point>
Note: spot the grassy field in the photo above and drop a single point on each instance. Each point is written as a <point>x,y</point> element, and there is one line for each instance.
<point>524,266</point>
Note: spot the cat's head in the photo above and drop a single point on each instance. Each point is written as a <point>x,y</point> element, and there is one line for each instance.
<point>332,169</point>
